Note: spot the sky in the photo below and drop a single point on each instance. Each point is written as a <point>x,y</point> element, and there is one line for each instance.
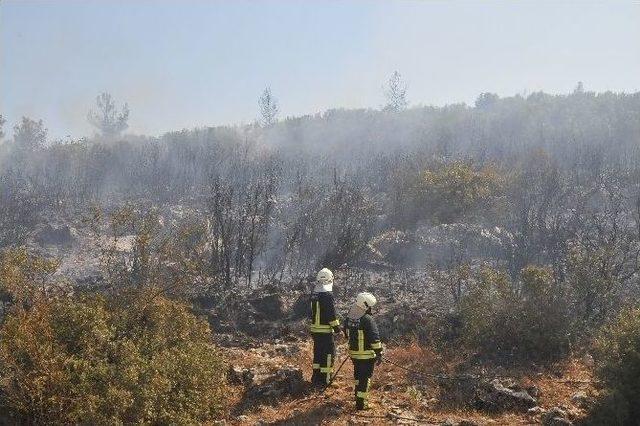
<point>184,64</point>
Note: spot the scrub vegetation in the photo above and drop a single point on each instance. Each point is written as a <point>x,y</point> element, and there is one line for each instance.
<point>128,357</point>
<point>514,223</point>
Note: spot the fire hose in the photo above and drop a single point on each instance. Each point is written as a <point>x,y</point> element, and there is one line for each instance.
<point>335,374</point>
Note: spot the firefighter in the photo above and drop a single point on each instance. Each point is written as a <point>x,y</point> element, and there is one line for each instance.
<point>365,348</point>
<point>323,325</point>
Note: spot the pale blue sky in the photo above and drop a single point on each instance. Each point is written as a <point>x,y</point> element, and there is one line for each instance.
<point>181,64</point>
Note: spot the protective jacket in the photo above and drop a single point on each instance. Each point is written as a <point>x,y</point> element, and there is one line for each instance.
<point>322,326</point>
<point>364,338</point>
<point>323,313</point>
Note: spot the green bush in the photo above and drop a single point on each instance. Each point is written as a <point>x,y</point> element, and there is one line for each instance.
<point>526,319</point>
<point>618,351</point>
<point>444,193</point>
<point>88,360</point>
<point>593,286</point>
<point>457,189</point>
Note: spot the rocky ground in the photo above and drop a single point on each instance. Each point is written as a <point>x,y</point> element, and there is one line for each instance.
<point>268,351</point>
<point>270,386</point>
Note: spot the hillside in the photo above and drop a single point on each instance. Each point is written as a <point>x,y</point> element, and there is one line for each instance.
<point>501,240</point>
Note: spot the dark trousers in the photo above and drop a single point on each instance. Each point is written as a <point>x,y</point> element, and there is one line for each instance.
<point>324,354</point>
<point>362,372</point>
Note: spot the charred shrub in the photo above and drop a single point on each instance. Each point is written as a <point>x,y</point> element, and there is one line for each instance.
<point>350,215</point>
<point>19,205</point>
<point>594,286</point>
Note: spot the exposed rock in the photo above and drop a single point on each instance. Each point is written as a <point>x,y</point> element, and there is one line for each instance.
<point>535,411</point>
<point>285,381</point>
<point>581,399</point>
<point>465,241</point>
<point>507,382</point>
<point>494,397</point>
<point>555,417</point>
<point>533,390</point>
<point>438,244</point>
<point>258,317</point>
<point>459,392</point>
<point>392,246</point>
<point>334,410</point>
<point>121,244</point>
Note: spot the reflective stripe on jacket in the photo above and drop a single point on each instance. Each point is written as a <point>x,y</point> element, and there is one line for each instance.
<point>323,313</point>
<point>364,339</point>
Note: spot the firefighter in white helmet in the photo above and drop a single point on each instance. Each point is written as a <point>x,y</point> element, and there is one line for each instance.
<point>365,348</point>
<point>324,324</point>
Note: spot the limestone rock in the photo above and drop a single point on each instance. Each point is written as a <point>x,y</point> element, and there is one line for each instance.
<point>556,417</point>
<point>285,381</point>
<point>581,399</point>
<point>494,397</point>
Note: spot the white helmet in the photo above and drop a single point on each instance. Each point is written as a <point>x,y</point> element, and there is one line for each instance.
<point>324,280</point>
<point>365,300</point>
<point>324,276</point>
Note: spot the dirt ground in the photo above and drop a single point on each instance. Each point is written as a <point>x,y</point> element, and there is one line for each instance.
<point>397,396</point>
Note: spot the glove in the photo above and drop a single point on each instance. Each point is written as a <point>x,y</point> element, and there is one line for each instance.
<point>378,358</point>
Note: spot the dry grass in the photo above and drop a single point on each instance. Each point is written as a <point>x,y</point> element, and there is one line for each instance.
<point>397,393</point>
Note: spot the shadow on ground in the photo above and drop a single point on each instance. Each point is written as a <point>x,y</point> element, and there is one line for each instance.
<point>318,415</point>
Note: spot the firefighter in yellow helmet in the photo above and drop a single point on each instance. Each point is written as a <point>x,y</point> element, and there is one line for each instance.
<point>365,348</point>
<point>324,324</point>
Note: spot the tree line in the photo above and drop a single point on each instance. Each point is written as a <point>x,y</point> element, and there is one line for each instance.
<point>555,176</point>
